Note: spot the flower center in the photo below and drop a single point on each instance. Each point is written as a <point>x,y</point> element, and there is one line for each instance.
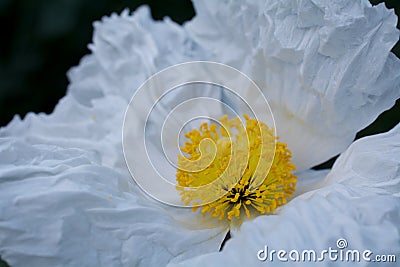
<point>234,156</point>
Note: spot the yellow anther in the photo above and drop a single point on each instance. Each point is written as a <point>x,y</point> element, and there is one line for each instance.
<point>277,186</point>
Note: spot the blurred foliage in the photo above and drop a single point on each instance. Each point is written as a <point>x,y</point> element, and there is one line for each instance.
<point>3,263</point>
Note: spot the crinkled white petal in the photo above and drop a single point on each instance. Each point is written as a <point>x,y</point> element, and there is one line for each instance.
<point>357,201</point>
<point>61,207</point>
<point>65,192</point>
<point>127,50</point>
<point>325,66</point>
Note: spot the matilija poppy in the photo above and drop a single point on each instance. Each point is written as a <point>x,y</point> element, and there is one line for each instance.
<point>325,68</point>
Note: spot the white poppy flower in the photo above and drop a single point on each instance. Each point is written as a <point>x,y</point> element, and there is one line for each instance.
<point>327,71</point>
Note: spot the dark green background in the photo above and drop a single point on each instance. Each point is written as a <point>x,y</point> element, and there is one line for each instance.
<point>42,39</point>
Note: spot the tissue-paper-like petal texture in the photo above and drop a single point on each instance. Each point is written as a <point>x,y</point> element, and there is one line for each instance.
<point>325,66</point>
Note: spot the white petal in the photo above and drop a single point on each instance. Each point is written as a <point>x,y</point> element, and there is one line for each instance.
<point>60,207</point>
<point>371,164</point>
<point>358,201</point>
<point>309,180</point>
<point>325,67</point>
<point>65,192</point>
<point>314,224</point>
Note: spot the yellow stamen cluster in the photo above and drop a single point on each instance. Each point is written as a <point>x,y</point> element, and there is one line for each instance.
<point>242,169</point>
